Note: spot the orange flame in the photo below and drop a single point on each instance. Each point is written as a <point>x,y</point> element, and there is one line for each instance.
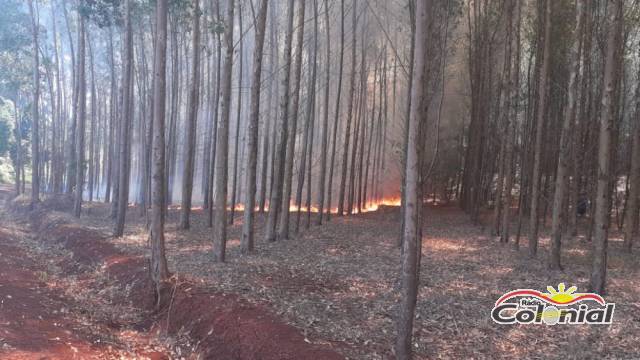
<point>369,207</point>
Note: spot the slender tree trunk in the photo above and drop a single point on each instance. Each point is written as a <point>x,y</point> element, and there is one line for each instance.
<point>542,107</point>
<point>81,118</point>
<point>71,146</point>
<point>310,115</point>
<point>111,164</point>
<point>511,127</point>
<point>35,141</point>
<point>93,131</point>
<point>246,242</point>
<point>236,144</point>
<point>325,121</point>
<point>283,229</point>
<point>58,157</point>
<point>126,124</point>
<point>631,215</point>
<point>281,147</point>
<point>412,235</point>
<point>559,216</point>
<point>215,120</point>
<point>191,125</point>
<point>158,266</point>
<point>222,145</point>
<point>18,137</point>
<point>336,118</point>
<point>603,192</point>
<point>347,131</point>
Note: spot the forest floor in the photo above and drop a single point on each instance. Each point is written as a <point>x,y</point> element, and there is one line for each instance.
<point>337,284</point>
<point>42,313</point>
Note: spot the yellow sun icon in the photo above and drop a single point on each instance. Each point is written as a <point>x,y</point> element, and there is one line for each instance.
<point>562,295</point>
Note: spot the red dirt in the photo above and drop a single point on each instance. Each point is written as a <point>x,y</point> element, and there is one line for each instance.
<point>222,326</point>
<point>232,328</point>
<point>32,325</point>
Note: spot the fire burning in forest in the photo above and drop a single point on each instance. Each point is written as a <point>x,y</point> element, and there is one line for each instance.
<point>370,206</point>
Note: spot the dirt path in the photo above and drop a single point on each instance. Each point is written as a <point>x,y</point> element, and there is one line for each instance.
<point>37,320</point>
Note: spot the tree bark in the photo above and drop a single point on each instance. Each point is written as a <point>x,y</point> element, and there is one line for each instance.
<point>191,125</point>
<point>412,232</point>
<point>158,267</point>
<point>236,144</point>
<point>603,192</point>
<point>559,216</point>
<point>125,125</point>
<point>281,147</point>
<point>325,121</point>
<point>511,127</point>
<point>310,115</point>
<point>542,95</point>
<point>35,141</point>
<point>347,131</point>
<point>631,214</point>
<point>81,118</point>
<point>283,228</point>
<point>336,118</point>
<point>222,144</point>
<point>246,242</point>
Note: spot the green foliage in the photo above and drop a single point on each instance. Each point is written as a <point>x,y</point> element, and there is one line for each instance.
<point>6,126</point>
<point>7,173</point>
<point>7,143</point>
<point>15,48</point>
<point>101,12</point>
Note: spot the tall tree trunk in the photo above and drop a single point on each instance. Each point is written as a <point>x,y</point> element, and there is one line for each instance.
<point>559,216</point>
<point>236,144</point>
<point>192,123</point>
<point>58,157</point>
<point>126,124</point>
<point>310,114</point>
<point>412,235</point>
<point>215,120</point>
<point>511,126</point>
<point>158,266</point>
<point>336,118</point>
<point>281,147</point>
<point>603,192</point>
<point>246,242</point>
<point>111,164</point>
<point>18,138</point>
<point>631,215</point>
<point>71,146</point>
<point>271,113</point>
<point>222,144</point>
<point>35,141</point>
<point>93,131</point>
<point>347,131</point>
<point>542,107</point>
<point>283,229</point>
<point>325,121</point>
<point>81,118</point>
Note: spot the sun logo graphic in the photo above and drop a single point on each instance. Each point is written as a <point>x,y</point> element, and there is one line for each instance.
<point>557,306</point>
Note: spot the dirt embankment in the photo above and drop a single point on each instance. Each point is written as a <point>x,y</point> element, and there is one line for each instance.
<point>214,325</point>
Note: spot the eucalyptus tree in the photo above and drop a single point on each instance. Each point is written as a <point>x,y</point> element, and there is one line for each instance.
<point>222,144</point>
<point>247,241</point>
<point>191,125</point>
